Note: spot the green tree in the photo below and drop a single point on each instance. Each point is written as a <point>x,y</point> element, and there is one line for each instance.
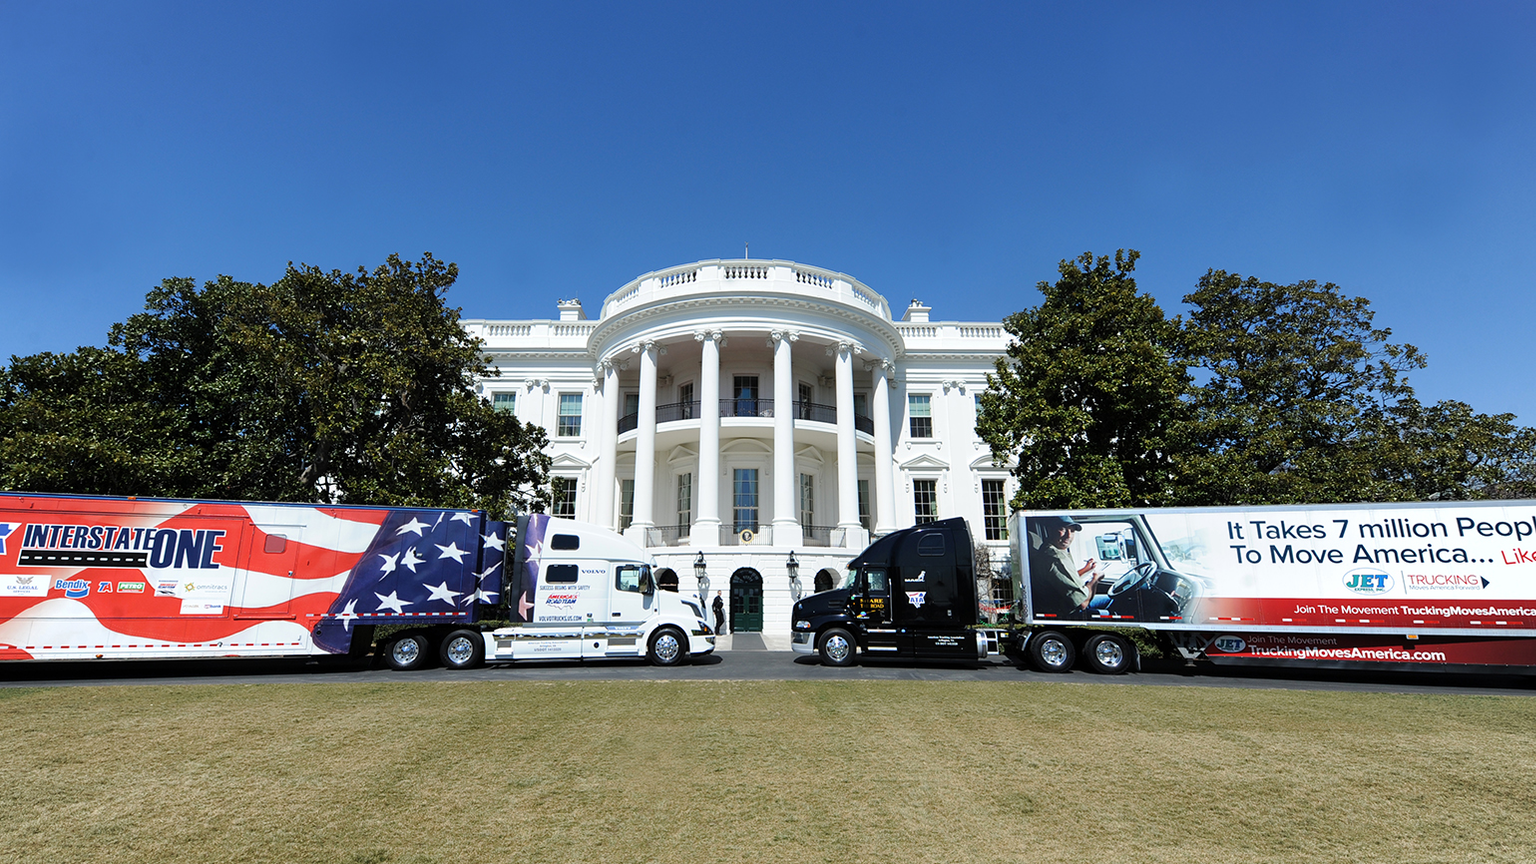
<point>1303,399</point>
<point>1087,398</point>
<point>321,387</point>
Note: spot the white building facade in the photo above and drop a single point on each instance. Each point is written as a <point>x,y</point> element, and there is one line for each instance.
<point>746,412</point>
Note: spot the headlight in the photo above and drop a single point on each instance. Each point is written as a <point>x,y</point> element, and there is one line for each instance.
<point>802,625</point>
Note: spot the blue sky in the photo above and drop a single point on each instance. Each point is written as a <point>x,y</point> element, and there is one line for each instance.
<point>949,152</point>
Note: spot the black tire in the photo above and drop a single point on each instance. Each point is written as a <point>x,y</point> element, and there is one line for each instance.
<point>408,652</point>
<point>1050,651</point>
<point>669,647</point>
<point>463,649</point>
<point>837,648</point>
<point>1107,654</point>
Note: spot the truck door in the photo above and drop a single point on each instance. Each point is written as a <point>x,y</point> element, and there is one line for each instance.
<point>631,603</point>
<point>872,608</point>
<point>557,617</point>
<point>935,607</point>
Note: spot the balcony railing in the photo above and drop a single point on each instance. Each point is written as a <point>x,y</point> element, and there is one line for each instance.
<point>742,535</point>
<point>820,535</point>
<point>667,535</point>
<point>747,407</point>
<point>677,411</point>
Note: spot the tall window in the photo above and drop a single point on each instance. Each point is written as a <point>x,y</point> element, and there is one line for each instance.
<point>631,404</point>
<point>504,402</point>
<point>993,517</point>
<point>746,395</point>
<point>925,500</point>
<point>919,416</point>
<point>564,489</point>
<point>861,404</point>
<point>570,415</point>
<point>685,499</point>
<point>685,396</point>
<point>744,497</point>
<point>805,402</point>
<point>807,500</point>
<point>626,503</point>
<point>864,504</point>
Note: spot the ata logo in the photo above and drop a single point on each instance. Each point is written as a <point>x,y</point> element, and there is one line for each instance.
<point>917,598</point>
<point>1368,581</point>
<point>1228,644</point>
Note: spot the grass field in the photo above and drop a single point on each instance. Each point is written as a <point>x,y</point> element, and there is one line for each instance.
<point>763,771</point>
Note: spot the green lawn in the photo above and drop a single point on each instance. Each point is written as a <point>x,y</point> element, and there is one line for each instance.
<point>762,771</point>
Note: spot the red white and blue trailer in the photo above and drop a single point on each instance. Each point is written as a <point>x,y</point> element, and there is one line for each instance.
<point>148,578</point>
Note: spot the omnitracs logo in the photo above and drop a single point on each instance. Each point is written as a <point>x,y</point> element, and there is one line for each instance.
<point>1368,580</point>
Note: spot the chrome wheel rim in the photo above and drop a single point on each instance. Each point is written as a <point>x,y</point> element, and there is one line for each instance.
<point>1109,653</point>
<point>667,647</point>
<point>406,651</point>
<point>837,648</point>
<point>1053,652</point>
<point>460,650</point>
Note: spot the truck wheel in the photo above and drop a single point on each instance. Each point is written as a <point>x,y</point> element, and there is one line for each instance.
<point>668,647</point>
<point>408,652</point>
<point>463,649</point>
<point>1051,652</point>
<point>1107,654</point>
<point>837,647</point>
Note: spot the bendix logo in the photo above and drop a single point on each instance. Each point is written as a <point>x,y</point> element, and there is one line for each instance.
<point>1368,581</point>
<point>1228,644</point>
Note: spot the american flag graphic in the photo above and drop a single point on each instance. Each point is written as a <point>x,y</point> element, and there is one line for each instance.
<point>109,577</point>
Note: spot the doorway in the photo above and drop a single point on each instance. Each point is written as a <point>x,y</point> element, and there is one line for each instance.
<point>746,601</point>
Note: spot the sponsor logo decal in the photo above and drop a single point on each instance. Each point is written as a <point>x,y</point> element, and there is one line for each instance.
<point>75,589</point>
<point>921,575</point>
<point>1444,582</point>
<point>5,531</point>
<point>1368,580</point>
<point>117,546</point>
<point>130,587</point>
<point>1228,644</point>
<point>561,599</point>
<point>165,588</point>
<point>917,598</point>
<point>18,585</point>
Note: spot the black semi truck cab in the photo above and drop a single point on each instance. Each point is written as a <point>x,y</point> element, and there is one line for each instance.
<point>911,594</point>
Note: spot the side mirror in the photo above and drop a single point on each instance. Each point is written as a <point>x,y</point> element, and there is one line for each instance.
<point>647,587</point>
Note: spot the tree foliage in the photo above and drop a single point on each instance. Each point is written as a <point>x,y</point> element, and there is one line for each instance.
<point>1088,396</point>
<point>321,387</point>
<point>1265,394</point>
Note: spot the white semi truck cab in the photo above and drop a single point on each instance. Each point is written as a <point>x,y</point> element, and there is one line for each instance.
<point>577,591</point>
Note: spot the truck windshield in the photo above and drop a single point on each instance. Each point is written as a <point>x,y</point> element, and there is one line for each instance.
<point>849,578</point>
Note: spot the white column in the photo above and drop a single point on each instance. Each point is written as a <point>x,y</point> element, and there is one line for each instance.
<point>847,451</point>
<point>645,445</point>
<point>885,469</point>
<point>786,522</point>
<point>606,476</point>
<point>706,506</point>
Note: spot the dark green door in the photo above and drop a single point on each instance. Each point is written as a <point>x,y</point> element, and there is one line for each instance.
<point>746,601</point>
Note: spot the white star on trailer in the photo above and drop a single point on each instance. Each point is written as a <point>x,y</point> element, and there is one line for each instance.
<point>389,565</point>
<point>452,550</point>
<point>392,602</point>
<point>414,525</point>
<point>441,592</point>
<point>462,517</point>
<point>410,559</point>
<point>492,541</point>
<point>346,615</point>
<point>484,596</point>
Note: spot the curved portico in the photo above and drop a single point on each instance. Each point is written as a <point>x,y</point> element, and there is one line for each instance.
<point>748,412</point>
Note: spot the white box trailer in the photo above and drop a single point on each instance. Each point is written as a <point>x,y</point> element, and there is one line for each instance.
<point>1341,585</point>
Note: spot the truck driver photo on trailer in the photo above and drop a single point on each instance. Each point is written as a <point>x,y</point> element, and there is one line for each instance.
<point>1102,567</point>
